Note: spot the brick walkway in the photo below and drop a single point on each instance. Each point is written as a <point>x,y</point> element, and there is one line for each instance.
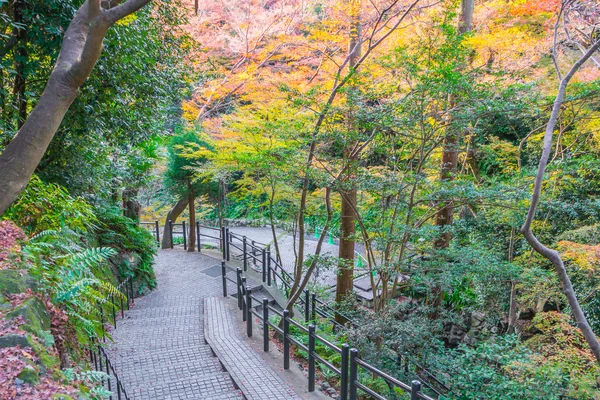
<point>159,349</point>
<point>250,372</point>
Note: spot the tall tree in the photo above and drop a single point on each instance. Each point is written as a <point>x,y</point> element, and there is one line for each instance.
<point>451,144</point>
<point>345,277</point>
<point>81,49</point>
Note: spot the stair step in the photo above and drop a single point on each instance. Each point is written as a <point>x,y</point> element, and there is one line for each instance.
<point>192,387</point>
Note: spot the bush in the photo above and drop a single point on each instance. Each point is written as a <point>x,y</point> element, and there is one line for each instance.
<point>126,236</point>
<point>47,206</point>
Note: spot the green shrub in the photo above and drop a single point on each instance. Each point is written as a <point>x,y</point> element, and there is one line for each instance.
<point>126,236</point>
<point>47,206</point>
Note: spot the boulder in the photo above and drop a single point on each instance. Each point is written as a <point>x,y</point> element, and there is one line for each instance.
<point>29,374</point>
<point>14,340</point>
<point>34,314</point>
<point>13,281</point>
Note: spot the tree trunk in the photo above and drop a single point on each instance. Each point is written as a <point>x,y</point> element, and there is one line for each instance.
<point>449,168</point>
<point>191,247</point>
<point>20,101</point>
<point>345,277</point>
<point>550,254</point>
<point>81,48</point>
<point>131,207</point>
<point>172,215</point>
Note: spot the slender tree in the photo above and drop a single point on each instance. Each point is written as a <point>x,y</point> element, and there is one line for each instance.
<point>81,49</point>
<point>550,254</point>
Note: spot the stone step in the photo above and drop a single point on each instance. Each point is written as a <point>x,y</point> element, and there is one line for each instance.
<point>198,387</point>
<point>162,312</point>
<point>152,368</point>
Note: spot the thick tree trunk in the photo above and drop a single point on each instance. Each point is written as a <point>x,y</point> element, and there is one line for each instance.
<point>81,48</point>
<point>172,215</point>
<point>345,277</point>
<point>191,247</point>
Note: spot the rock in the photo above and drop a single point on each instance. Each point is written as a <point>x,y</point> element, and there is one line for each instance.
<point>29,375</point>
<point>526,314</point>
<point>34,314</point>
<point>453,335</point>
<point>477,319</point>
<point>469,340</point>
<point>332,392</point>
<point>325,385</point>
<point>13,340</point>
<point>13,281</point>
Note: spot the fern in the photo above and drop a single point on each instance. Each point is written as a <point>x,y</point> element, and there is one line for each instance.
<point>72,275</point>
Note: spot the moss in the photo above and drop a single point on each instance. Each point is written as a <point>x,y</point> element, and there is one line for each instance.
<point>13,281</point>
<point>59,396</point>
<point>34,314</point>
<point>47,359</point>
<point>13,340</point>
<point>29,374</point>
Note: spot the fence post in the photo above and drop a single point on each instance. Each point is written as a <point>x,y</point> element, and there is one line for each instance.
<point>269,267</point>
<point>239,287</point>
<point>311,358</point>
<point>306,305</point>
<point>264,265</point>
<point>184,235</point>
<point>286,341</point>
<point>107,372</point>
<point>353,373</point>
<point>245,251</point>
<point>122,305</point>
<point>244,299</point>
<point>249,311</point>
<point>198,236</point>
<point>253,253</point>
<point>227,241</point>
<point>171,231</point>
<point>157,231</point>
<point>314,307</point>
<point>265,304</point>
<point>223,246</point>
<point>224,275</point>
<point>415,388</point>
<point>131,290</point>
<point>344,371</point>
<point>114,315</point>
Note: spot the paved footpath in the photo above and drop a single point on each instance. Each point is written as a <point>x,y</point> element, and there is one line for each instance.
<point>159,348</point>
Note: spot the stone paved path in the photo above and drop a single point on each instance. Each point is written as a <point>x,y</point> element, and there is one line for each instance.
<point>159,348</point>
<point>250,372</point>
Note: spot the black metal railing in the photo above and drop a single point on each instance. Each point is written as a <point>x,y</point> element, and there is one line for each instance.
<point>101,362</point>
<point>350,364</point>
<point>257,256</point>
<point>155,229</point>
<point>108,310</point>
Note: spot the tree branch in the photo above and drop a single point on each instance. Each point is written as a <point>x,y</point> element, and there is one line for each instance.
<point>551,254</point>
<point>124,9</point>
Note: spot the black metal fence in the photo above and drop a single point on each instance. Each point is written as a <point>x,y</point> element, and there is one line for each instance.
<point>257,256</point>
<point>108,310</point>
<point>350,364</point>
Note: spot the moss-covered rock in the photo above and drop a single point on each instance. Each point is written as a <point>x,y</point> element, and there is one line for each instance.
<point>48,361</point>
<point>29,374</point>
<point>34,314</point>
<point>14,281</point>
<point>14,340</point>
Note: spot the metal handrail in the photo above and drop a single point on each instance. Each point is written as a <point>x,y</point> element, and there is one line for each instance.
<point>348,371</point>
